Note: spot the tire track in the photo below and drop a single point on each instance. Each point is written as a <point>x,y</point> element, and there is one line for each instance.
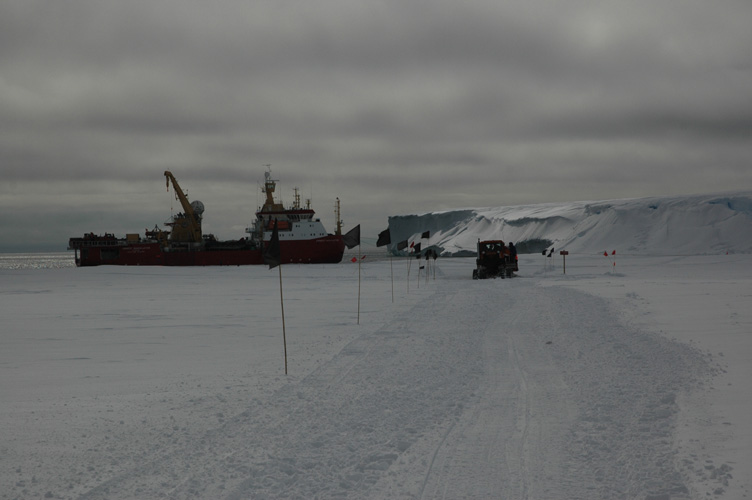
<point>501,444</point>
<point>572,404</point>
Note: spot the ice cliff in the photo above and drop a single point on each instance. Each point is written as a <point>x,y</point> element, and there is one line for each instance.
<point>699,224</point>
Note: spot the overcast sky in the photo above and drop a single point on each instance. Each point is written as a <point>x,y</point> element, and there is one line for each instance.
<point>394,106</point>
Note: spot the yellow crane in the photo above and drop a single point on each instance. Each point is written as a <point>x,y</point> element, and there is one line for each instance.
<point>186,227</point>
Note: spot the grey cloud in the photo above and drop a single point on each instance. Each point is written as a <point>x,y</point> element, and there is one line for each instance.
<point>403,106</point>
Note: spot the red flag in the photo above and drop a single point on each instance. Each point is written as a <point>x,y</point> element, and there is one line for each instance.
<point>605,253</point>
<point>354,259</point>
<point>412,244</point>
<point>613,253</point>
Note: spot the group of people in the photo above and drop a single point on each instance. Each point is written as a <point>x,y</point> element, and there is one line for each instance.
<point>502,250</point>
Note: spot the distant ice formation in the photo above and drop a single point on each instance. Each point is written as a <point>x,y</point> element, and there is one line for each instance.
<point>699,224</point>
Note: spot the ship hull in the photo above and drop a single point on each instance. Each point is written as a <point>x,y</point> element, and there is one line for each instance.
<point>323,250</point>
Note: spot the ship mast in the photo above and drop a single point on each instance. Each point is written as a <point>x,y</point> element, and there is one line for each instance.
<point>269,188</point>
<point>338,215</point>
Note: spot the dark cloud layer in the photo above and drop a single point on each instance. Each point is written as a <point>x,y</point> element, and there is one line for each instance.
<point>395,107</point>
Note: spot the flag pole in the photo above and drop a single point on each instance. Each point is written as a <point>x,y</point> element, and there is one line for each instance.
<point>282,303</point>
<point>385,238</point>
<point>351,239</point>
<point>273,258</point>
<point>419,271</point>
<point>391,269</point>
<point>359,259</point>
<point>409,259</point>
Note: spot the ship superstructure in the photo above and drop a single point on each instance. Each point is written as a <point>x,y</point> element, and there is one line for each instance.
<point>293,223</point>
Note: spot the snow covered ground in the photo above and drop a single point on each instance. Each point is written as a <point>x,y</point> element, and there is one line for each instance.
<point>626,381</point>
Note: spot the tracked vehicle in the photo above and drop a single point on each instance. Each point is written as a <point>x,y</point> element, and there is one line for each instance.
<point>495,260</point>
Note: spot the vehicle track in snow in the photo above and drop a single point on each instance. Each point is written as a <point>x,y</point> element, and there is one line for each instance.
<point>509,435</point>
<point>486,389</point>
<point>572,404</point>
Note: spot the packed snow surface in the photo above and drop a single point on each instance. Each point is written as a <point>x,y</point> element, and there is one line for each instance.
<point>626,377</point>
<point>701,224</point>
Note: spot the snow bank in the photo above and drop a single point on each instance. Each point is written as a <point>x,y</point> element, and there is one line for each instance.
<point>707,224</point>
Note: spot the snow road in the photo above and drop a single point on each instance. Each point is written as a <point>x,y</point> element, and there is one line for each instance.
<point>462,389</point>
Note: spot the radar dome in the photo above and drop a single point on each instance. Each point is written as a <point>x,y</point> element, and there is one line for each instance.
<point>198,207</point>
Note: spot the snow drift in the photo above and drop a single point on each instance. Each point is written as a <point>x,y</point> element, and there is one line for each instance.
<point>701,224</point>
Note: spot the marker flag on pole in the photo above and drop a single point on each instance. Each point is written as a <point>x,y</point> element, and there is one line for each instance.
<point>401,245</point>
<point>426,234</point>
<point>352,237</point>
<point>352,240</point>
<point>613,253</point>
<point>605,253</point>
<point>417,248</point>
<point>384,238</point>
<point>272,255</point>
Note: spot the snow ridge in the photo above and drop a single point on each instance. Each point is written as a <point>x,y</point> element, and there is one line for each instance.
<point>700,224</point>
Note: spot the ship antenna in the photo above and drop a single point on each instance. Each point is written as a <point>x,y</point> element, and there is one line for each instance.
<point>338,214</point>
<point>296,199</point>
<point>267,175</point>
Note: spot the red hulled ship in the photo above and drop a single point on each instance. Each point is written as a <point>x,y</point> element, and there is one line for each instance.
<point>302,238</point>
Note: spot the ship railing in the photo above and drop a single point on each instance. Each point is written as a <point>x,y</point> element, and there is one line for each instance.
<point>74,243</point>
